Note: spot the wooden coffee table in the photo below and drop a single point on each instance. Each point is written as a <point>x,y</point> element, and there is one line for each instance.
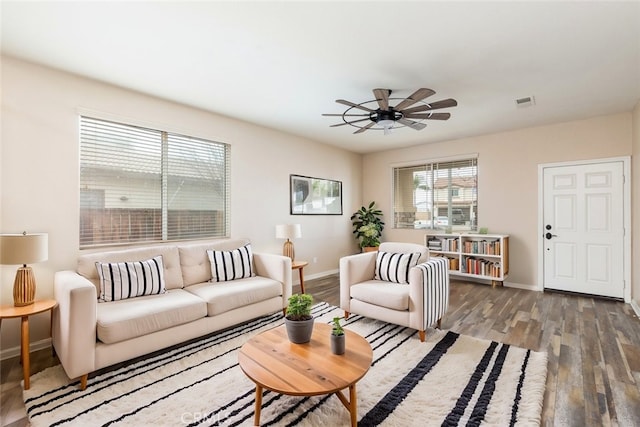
<point>271,361</point>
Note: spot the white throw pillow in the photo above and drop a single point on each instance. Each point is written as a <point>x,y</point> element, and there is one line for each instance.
<point>122,280</point>
<point>231,265</point>
<point>394,267</point>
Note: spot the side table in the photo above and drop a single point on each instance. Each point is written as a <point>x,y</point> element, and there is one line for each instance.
<point>9,311</point>
<point>300,265</point>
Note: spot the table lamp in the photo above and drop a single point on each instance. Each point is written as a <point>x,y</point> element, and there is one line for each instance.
<point>288,231</point>
<point>24,249</point>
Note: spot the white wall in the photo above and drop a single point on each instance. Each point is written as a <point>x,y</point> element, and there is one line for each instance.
<point>507,177</point>
<point>40,173</point>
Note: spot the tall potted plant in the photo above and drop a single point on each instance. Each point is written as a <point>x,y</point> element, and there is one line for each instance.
<point>367,226</point>
<point>298,319</point>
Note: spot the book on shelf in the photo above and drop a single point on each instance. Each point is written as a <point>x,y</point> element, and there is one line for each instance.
<point>482,247</point>
<point>450,245</point>
<point>454,263</point>
<point>434,244</point>
<point>482,267</point>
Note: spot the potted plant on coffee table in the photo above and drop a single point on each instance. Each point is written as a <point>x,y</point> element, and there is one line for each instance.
<point>337,337</point>
<point>298,319</point>
<point>367,226</point>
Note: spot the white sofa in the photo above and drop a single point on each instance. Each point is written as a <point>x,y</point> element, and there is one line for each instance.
<point>418,304</point>
<point>89,335</point>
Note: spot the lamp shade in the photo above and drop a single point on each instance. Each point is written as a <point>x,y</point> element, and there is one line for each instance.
<point>288,231</point>
<point>23,248</point>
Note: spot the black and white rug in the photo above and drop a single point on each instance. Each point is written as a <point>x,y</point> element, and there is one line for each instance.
<point>449,380</point>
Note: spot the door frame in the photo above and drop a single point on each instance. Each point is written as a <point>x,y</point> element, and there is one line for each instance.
<point>626,211</point>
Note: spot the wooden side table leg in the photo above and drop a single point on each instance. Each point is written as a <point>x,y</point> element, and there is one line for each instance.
<point>301,279</point>
<point>53,349</point>
<point>256,420</point>
<point>353,405</point>
<point>24,350</point>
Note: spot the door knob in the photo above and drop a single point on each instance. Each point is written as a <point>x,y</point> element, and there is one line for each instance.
<point>549,236</point>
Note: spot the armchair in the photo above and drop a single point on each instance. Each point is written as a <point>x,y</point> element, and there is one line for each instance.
<point>387,286</point>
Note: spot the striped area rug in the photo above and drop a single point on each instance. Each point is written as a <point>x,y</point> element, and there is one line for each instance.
<point>449,380</point>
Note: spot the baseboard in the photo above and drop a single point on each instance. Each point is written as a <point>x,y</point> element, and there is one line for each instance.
<point>319,275</point>
<point>8,353</point>
<point>521,286</point>
<point>635,307</point>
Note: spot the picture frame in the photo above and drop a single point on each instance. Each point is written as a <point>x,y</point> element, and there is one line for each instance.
<point>314,196</point>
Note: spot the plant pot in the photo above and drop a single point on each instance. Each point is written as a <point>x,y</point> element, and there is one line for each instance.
<point>299,331</point>
<point>370,248</point>
<point>338,344</point>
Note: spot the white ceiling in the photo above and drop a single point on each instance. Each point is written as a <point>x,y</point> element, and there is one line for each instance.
<point>282,64</point>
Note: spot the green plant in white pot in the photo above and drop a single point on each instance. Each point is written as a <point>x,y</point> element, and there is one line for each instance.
<point>368,225</point>
<point>298,319</point>
<point>338,338</point>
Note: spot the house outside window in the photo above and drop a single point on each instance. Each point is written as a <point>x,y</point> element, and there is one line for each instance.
<point>436,195</point>
<point>146,185</point>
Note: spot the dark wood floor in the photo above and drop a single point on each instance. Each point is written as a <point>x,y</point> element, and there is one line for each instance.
<point>593,347</point>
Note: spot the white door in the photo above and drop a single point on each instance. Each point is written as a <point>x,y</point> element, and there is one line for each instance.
<point>584,228</point>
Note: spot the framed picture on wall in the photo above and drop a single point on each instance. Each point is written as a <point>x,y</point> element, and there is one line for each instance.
<point>315,196</point>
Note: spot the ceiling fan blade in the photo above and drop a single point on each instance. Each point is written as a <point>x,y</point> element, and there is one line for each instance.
<point>348,123</point>
<point>362,129</point>
<point>445,103</point>
<point>429,116</point>
<point>382,96</point>
<point>412,124</point>
<point>351,104</point>
<point>344,115</point>
<point>416,96</point>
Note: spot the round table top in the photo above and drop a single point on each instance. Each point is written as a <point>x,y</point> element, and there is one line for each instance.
<point>9,311</point>
<point>272,361</point>
<point>299,264</point>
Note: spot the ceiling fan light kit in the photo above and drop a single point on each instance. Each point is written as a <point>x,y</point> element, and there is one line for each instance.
<point>386,117</point>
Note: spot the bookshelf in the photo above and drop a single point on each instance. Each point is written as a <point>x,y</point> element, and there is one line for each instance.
<point>473,256</point>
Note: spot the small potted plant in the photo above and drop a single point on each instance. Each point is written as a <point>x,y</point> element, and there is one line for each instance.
<point>367,226</point>
<point>298,319</point>
<point>337,337</point>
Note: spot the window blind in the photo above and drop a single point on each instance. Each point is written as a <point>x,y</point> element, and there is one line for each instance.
<point>436,195</point>
<point>141,185</point>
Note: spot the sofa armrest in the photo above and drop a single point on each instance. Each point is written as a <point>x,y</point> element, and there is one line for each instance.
<point>276,267</point>
<point>74,322</point>
<point>428,292</point>
<point>355,269</point>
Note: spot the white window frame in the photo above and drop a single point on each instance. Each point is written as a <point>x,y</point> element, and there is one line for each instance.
<point>408,215</point>
<point>156,185</point>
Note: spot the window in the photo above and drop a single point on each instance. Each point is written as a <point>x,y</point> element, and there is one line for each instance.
<point>141,185</point>
<point>439,195</point>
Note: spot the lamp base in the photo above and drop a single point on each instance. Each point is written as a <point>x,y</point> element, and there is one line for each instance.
<point>287,249</point>
<point>24,287</point>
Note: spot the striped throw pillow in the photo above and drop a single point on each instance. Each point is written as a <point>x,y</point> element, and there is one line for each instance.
<point>231,265</point>
<point>122,280</point>
<point>391,267</point>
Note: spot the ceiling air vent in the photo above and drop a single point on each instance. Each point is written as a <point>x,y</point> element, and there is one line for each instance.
<point>527,101</point>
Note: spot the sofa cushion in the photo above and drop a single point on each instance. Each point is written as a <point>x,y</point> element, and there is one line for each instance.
<point>170,261</point>
<point>225,296</point>
<point>125,319</point>
<point>194,262</point>
<point>383,294</point>
<point>394,267</point>
<point>231,265</point>
<point>122,280</point>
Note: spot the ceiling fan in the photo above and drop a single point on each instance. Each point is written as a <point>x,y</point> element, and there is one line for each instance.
<point>385,117</point>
